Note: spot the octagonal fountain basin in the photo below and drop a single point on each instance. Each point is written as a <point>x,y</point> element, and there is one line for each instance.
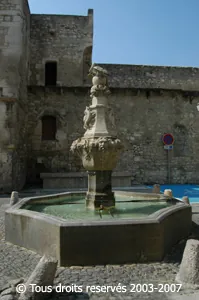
<point>142,227</point>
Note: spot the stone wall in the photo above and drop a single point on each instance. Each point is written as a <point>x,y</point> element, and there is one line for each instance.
<point>153,77</point>
<point>63,39</point>
<point>141,117</point>
<point>19,155</point>
<point>14,23</point>
<point>67,105</point>
<point>148,101</point>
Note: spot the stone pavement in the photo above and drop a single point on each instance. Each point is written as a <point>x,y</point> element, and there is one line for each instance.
<point>16,262</point>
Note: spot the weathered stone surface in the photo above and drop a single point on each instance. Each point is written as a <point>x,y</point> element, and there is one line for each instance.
<point>140,96</point>
<point>9,291</point>
<point>7,297</point>
<point>143,146</point>
<point>72,53</point>
<point>185,199</point>
<point>14,28</point>
<point>42,276</point>
<point>14,198</point>
<point>4,286</point>
<point>17,262</point>
<point>156,189</point>
<point>188,274</point>
<point>152,77</point>
<point>15,282</point>
<point>168,193</point>
<point>99,148</point>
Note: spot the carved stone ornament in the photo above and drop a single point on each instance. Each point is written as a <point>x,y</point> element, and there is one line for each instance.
<point>99,80</point>
<point>89,118</point>
<point>98,90</point>
<point>98,72</point>
<point>110,116</point>
<point>98,144</point>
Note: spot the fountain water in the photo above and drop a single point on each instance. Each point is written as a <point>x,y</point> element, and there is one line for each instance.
<point>112,227</point>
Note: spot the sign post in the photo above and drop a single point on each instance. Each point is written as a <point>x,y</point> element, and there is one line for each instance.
<point>168,141</point>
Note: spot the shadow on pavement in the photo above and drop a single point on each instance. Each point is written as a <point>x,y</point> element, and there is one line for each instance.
<point>175,256</point>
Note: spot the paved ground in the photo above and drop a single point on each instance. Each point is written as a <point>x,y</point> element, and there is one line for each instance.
<point>16,262</point>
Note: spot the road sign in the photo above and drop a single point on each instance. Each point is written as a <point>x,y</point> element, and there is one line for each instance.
<point>168,147</point>
<point>168,139</point>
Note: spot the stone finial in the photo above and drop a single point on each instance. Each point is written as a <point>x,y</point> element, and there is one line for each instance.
<point>185,199</point>
<point>42,276</point>
<point>14,198</point>
<point>168,193</point>
<point>156,189</point>
<point>97,71</point>
<point>99,81</point>
<point>188,274</point>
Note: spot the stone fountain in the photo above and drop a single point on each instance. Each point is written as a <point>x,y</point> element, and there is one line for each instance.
<point>112,228</point>
<point>99,148</point>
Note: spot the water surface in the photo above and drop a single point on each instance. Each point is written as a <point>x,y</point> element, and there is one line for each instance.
<point>75,209</point>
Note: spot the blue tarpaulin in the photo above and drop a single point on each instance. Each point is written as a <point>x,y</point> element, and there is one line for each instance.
<point>180,190</point>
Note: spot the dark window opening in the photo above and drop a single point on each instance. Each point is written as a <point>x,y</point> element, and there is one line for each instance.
<point>51,73</point>
<point>49,128</point>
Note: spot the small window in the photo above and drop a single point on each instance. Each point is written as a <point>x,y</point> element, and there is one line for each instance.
<point>49,128</point>
<point>51,74</point>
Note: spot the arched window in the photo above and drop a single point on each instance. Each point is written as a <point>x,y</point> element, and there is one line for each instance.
<point>87,61</point>
<point>51,73</point>
<point>49,128</point>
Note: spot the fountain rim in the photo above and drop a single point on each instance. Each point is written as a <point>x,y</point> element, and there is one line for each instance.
<point>156,217</point>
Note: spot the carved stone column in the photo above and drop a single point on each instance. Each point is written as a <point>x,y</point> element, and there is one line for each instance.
<point>99,148</point>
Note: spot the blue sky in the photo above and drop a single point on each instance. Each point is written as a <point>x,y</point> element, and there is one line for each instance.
<point>143,32</point>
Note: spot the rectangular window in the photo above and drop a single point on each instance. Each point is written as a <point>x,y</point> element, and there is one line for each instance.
<point>49,128</point>
<point>51,74</point>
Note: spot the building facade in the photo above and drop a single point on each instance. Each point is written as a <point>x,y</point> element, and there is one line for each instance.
<point>44,89</point>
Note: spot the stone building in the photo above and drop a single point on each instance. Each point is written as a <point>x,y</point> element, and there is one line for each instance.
<point>44,88</point>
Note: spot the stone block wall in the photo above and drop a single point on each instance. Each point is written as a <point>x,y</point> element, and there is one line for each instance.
<point>14,28</point>
<point>142,117</point>
<point>12,43</point>
<point>148,101</point>
<point>152,77</point>
<point>62,39</point>
<point>67,105</point>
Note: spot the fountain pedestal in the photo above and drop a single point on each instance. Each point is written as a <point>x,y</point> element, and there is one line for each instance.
<point>99,148</point>
<point>99,189</point>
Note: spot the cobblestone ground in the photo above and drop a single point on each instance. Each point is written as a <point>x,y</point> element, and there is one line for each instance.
<point>16,262</point>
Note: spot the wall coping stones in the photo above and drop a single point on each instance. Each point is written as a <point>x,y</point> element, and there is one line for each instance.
<point>152,77</point>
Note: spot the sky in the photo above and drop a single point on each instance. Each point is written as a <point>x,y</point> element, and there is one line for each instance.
<point>140,32</point>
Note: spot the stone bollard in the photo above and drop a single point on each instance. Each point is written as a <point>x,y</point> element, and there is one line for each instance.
<point>43,276</point>
<point>185,199</point>
<point>188,274</point>
<point>168,193</point>
<point>156,189</point>
<point>14,198</point>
